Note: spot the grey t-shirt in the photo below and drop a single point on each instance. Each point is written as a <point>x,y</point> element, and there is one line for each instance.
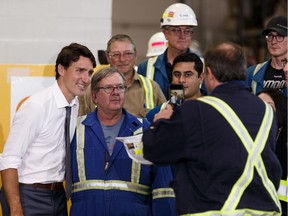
<point>111,132</point>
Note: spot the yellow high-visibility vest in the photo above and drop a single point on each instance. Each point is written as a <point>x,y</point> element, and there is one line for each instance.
<point>150,67</point>
<point>149,93</point>
<point>254,161</point>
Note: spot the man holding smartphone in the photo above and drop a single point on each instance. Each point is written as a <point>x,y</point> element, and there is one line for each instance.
<point>187,72</point>
<point>222,145</point>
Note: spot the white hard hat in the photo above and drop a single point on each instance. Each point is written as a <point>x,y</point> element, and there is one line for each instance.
<point>178,14</point>
<point>157,44</point>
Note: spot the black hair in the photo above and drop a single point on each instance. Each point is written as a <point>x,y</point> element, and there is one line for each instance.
<point>280,102</point>
<point>72,53</point>
<point>190,57</point>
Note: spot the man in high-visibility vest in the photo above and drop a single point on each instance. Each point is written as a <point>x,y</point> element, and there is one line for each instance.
<point>105,180</point>
<point>142,93</point>
<point>223,145</point>
<point>269,74</point>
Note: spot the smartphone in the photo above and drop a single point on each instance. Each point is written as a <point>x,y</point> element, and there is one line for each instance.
<point>176,92</point>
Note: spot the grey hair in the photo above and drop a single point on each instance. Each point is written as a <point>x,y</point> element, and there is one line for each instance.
<point>103,73</point>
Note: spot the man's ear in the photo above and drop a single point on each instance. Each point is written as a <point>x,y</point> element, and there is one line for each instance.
<point>107,56</point>
<point>60,69</point>
<point>165,32</point>
<point>208,73</point>
<point>94,97</point>
<point>208,70</point>
<point>201,77</point>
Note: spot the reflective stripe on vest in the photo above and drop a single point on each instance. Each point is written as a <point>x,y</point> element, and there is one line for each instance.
<point>254,83</point>
<point>283,190</point>
<point>147,84</point>
<point>150,67</point>
<point>241,212</point>
<point>163,106</point>
<point>254,150</point>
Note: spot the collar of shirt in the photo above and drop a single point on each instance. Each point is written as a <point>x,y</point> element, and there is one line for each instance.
<point>60,98</point>
<point>136,78</point>
<point>231,86</point>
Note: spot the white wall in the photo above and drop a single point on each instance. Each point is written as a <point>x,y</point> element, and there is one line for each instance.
<point>34,31</point>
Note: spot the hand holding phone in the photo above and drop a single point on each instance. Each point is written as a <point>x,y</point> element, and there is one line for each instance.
<point>164,113</point>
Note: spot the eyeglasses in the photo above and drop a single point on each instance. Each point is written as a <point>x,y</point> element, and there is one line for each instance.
<point>109,89</point>
<point>177,31</point>
<point>270,37</point>
<point>117,55</point>
<point>284,62</point>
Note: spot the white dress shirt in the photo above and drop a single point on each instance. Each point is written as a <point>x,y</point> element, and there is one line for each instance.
<point>36,143</point>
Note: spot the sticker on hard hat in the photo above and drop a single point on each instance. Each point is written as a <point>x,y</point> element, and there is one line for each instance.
<point>171,14</point>
<point>159,43</point>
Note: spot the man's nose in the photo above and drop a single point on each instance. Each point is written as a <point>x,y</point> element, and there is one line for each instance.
<point>86,77</point>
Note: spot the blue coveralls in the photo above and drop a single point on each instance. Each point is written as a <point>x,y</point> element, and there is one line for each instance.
<point>115,185</point>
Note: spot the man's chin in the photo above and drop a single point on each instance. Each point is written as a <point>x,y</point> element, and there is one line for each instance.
<point>81,92</point>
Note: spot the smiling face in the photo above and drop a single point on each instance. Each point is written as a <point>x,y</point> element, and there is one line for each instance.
<point>113,101</point>
<point>185,73</point>
<point>74,80</point>
<point>121,54</point>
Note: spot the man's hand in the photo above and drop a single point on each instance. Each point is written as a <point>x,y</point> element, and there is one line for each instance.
<point>166,113</point>
<point>11,189</point>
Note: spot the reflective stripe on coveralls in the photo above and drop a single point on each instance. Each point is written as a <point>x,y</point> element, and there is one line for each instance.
<point>136,167</point>
<point>132,186</point>
<point>283,190</point>
<point>148,92</point>
<point>254,160</point>
<point>135,175</point>
<point>254,83</point>
<point>150,67</point>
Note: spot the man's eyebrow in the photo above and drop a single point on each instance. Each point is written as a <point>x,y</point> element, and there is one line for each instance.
<point>189,71</point>
<point>83,68</point>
